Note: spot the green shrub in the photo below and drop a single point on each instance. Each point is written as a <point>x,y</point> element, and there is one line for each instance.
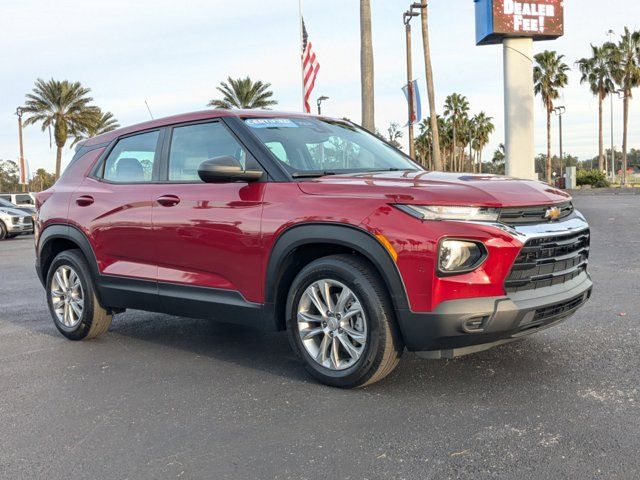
<point>595,178</point>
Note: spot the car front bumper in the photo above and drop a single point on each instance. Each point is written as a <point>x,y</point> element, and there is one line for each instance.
<point>460,327</point>
<point>20,228</point>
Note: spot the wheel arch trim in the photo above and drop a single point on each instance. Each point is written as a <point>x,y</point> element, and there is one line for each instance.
<point>72,234</point>
<point>352,237</point>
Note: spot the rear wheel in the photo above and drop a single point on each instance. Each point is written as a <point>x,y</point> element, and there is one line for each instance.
<point>341,322</point>
<point>72,300</point>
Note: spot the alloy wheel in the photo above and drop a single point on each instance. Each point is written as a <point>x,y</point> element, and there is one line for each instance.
<point>67,296</point>
<point>332,324</point>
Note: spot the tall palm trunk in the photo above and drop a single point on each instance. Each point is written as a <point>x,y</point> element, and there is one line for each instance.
<point>625,132</point>
<point>548,145</point>
<point>453,150</point>
<point>366,66</point>
<point>600,135</point>
<point>60,136</point>
<point>58,160</point>
<point>437,159</point>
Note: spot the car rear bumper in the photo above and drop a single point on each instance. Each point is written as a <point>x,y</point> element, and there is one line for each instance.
<point>459,327</point>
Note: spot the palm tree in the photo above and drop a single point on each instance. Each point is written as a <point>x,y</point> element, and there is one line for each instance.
<point>62,105</point>
<point>456,107</point>
<point>433,117</point>
<point>104,122</point>
<point>484,127</point>
<point>625,70</point>
<point>395,134</point>
<point>424,141</point>
<point>595,72</point>
<point>366,66</point>
<point>549,76</point>
<point>498,159</point>
<point>243,93</point>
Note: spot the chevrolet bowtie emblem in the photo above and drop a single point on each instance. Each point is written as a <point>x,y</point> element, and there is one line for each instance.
<point>552,213</point>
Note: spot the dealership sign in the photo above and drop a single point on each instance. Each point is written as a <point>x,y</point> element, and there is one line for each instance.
<point>538,19</point>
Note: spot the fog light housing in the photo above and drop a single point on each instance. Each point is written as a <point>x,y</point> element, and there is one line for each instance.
<point>460,256</point>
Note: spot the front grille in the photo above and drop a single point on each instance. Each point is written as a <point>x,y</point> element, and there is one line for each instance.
<point>559,310</point>
<point>537,214</point>
<point>548,261</point>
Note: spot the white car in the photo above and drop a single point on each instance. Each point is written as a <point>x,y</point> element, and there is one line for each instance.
<point>21,199</point>
<point>14,222</point>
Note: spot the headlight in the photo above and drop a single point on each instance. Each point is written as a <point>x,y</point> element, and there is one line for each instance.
<point>459,256</point>
<point>432,212</point>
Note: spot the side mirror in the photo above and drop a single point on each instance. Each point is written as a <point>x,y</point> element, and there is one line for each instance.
<point>226,170</point>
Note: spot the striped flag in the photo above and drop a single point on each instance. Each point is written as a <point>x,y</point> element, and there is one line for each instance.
<point>310,67</point>
<point>413,98</point>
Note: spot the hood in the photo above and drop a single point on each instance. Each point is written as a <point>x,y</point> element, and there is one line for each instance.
<point>438,188</point>
<point>14,212</point>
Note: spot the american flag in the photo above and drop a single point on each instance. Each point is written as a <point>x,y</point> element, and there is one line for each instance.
<point>310,67</point>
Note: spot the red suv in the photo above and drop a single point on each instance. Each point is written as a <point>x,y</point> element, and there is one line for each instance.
<point>309,224</point>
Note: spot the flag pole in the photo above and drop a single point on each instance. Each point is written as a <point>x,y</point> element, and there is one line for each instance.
<point>301,55</point>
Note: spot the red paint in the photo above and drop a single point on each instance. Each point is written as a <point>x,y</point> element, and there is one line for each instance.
<point>221,235</point>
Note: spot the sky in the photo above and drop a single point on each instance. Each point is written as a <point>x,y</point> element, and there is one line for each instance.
<point>173,55</point>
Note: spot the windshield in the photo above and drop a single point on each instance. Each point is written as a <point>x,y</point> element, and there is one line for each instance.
<point>314,147</point>
<point>6,203</point>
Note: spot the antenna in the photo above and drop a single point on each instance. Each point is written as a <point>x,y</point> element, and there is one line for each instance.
<point>148,109</point>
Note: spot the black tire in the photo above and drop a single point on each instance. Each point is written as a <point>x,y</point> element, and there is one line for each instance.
<point>384,345</point>
<point>3,230</point>
<point>94,320</point>
<point>11,235</point>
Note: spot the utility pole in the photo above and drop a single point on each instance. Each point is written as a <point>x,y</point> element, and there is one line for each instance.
<point>406,18</point>
<point>613,153</point>
<point>21,162</point>
<point>560,111</point>
<point>435,135</point>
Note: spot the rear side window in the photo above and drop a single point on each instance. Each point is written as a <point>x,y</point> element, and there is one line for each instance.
<point>193,144</point>
<point>24,199</point>
<point>132,159</point>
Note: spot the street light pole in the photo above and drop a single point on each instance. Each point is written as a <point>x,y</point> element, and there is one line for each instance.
<point>624,95</point>
<point>21,162</point>
<point>560,111</point>
<point>613,153</point>
<point>319,102</point>
<point>406,18</point>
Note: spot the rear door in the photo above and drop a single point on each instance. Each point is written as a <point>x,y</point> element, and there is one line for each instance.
<point>207,235</point>
<point>113,207</point>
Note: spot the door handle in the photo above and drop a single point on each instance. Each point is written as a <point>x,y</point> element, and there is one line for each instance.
<point>168,200</point>
<point>84,200</point>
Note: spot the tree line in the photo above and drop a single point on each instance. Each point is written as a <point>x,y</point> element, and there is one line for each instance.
<point>612,68</point>
<point>65,108</point>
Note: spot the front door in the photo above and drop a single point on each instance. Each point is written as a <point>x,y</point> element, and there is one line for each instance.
<point>207,235</point>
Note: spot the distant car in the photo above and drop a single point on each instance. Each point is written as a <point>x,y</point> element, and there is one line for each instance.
<point>21,199</point>
<point>14,222</point>
<point>7,204</point>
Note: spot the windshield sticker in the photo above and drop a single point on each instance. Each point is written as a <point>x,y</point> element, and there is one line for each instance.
<point>270,123</point>
<point>304,123</point>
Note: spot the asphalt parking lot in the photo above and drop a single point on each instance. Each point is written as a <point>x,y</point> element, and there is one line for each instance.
<point>166,397</point>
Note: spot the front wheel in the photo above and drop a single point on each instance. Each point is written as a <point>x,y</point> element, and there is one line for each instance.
<point>341,322</point>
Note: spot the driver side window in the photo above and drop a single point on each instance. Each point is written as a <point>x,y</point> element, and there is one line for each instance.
<point>193,144</point>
